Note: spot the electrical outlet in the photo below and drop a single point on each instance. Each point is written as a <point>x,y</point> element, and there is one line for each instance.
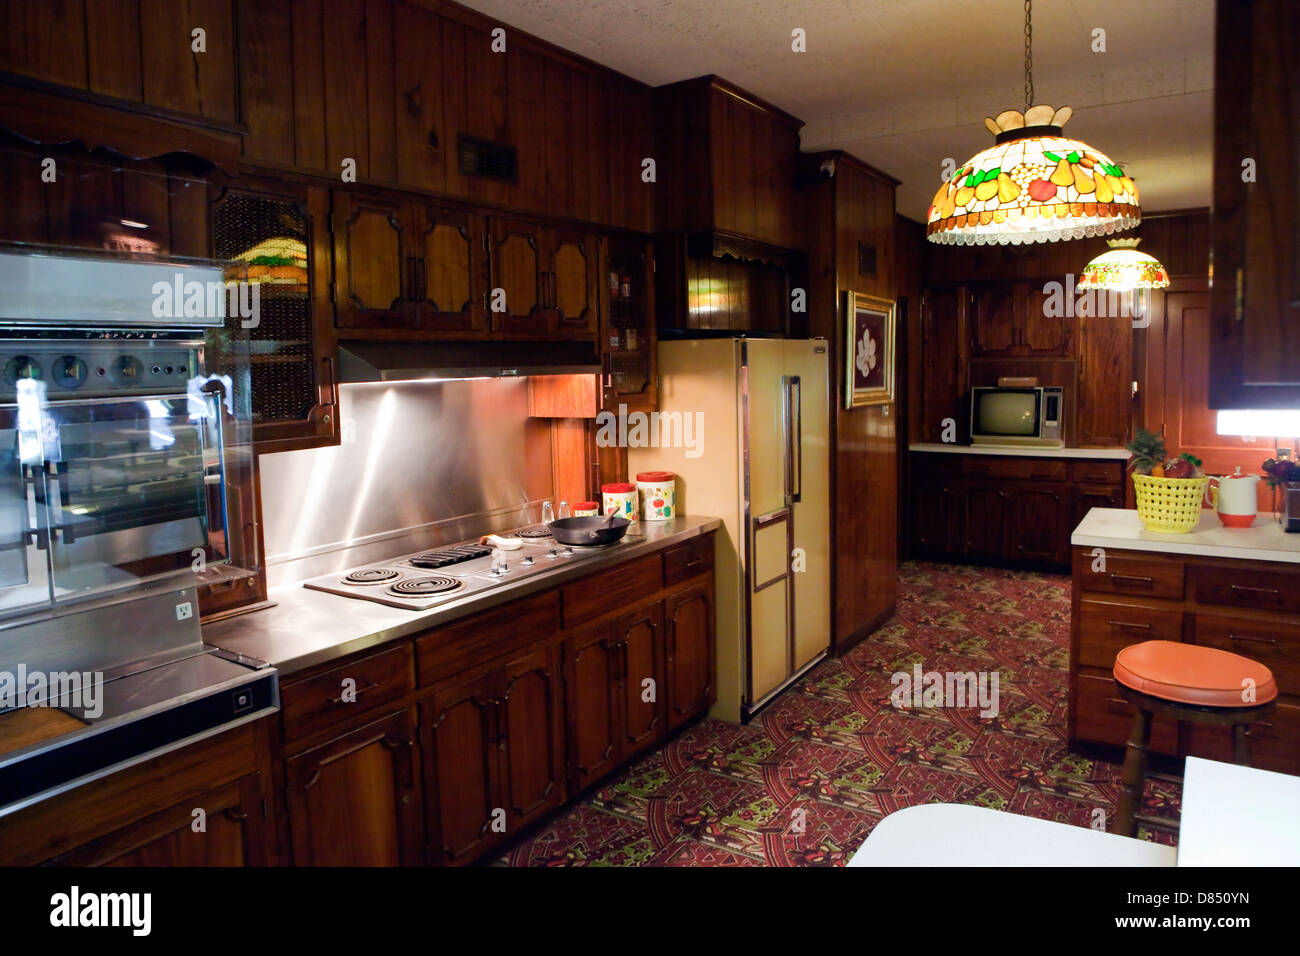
<point>184,611</point>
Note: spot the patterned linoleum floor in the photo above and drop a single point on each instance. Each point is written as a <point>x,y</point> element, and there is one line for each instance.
<point>805,782</point>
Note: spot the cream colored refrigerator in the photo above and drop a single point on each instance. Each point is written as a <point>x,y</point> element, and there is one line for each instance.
<point>759,460</point>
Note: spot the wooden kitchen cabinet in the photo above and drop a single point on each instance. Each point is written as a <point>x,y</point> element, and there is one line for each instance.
<point>517,258</point>
<point>494,752</point>
<point>284,225</point>
<point>1245,607</point>
<point>374,262</point>
<point>355,800</point>
<point>1255,300</point>
<point>449,282</point>
<point>943,361</point>
<point>574,281</point>
<point>609,716</point>
<point>1105,365</point>
<point>629,337</point>
<point>689,621</point>
<point>233,832</point>
<point>1005,509</point>
<point>1009,319</point>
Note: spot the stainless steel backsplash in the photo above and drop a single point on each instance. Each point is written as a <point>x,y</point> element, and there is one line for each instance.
<point>420,464</point>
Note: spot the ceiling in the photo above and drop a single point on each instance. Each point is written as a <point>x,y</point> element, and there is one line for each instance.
<point>904,84</point>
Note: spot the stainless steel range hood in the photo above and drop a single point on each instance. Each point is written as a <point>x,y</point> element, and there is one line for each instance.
<point>402,361</point>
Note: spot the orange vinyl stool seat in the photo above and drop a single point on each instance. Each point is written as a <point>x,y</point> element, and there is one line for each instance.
<point>1186,682</point>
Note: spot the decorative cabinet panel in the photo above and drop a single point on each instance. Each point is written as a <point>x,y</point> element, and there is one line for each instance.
<point>1255,345</point>
<point>530,736</point>
<point>575,281</point>
<point>374,263</point>
<point>689,652</point>
<point>628,338</point>
<point>448,282</point>
<point>517,254</point>
<point>280,230</point>
<point>355,801</point>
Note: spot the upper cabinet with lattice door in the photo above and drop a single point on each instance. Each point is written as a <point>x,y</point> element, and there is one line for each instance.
<point>280,229</point>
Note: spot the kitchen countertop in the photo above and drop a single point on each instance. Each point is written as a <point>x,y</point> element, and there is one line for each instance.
<point>1028,451</point>
<point>307,627</point>
<point>1121,528</point>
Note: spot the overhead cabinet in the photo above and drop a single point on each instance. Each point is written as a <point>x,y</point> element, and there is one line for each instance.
<point>1255,352</point>
<point>1018,319</point>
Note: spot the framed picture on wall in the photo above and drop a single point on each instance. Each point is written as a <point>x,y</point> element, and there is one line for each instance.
<point>869,350</point>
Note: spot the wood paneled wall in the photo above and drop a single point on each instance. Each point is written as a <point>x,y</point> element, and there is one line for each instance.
<point>855,206</point>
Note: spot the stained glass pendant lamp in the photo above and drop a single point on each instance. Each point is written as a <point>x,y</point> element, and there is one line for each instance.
<point>1122,268</point>
<point>1034,184</point>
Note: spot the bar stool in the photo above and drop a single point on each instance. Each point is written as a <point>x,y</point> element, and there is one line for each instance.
<point>1186,682</point>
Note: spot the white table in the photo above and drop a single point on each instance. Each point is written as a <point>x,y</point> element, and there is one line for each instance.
<point>953,834</point>
<point>1238,816</point>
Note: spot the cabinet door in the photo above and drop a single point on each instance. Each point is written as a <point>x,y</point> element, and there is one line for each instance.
<point>517,256</point>
<point>234,833</point>
<point>628,339</point>
<point>995,319</point>
<point>689,654</point>
<point>281,230</point>
<point>640,641</point>
<point>1044,335</point>
<point>574,293</point>
<point>592,672</point>
<point>1105,371</point>
<point>984,519</point>
<point>450,287</point>
<point>1255,357</point>
<point>354,801</point>
<point>1035,514</point>
<point>374,266</point>
<point>937,510</point>
<point>943,355</point>
<point>530,740</point>
<point>1084,498</point>
<point>458,728</point>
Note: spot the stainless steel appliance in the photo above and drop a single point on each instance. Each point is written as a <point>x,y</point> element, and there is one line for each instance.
<point>122,421</point>
<point>758,413</point>
<point>416,582</point>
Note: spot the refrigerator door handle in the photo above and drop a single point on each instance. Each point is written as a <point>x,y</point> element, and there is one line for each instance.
<point>793,427</point>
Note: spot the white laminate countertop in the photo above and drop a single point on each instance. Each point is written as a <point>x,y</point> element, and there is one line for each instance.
<point>1122,529</point>
<point>1022,451</point>
<point>1237,816</point>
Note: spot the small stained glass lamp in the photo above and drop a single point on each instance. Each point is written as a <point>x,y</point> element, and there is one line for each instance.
<point>1034,185</point>
<point>1123,268</point>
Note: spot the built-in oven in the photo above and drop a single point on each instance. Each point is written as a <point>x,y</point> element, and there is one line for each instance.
<point>124,419</point>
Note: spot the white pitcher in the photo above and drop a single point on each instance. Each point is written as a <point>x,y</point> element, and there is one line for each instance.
<point>1235,498</point>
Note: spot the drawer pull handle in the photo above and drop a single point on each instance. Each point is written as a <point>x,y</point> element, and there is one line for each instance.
<point>1116,700</point>
<point>370,685</point>
<point>1145,627</point>
<point>1246,587</point>
<point>1252,639</point>
<point>1137,578</point>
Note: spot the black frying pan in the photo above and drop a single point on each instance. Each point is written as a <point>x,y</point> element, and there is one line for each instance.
<point>589,531</point>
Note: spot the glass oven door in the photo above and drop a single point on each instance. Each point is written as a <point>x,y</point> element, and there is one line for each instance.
<point>25,580</point>
<point>136,490</point>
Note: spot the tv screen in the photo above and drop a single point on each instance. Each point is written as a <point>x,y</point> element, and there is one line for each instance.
<point>1006,413</point>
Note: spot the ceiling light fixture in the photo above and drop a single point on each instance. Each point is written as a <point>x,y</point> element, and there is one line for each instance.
<point>1035,184</point>
<point>1123,268</point>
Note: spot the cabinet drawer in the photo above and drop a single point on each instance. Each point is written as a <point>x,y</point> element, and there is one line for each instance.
<point>1130,574</point>
<point>1106,627</point>
<point>457,647</point>
<point>689,559</point>
<point>1274,741</point>
<point>1275,644</point>
<point>1030,469</point>
<point>947,464</point>
<point>315,703</point>
<point>1259,588</point>
<point>615,588</point>
<point>1102,716</point>
<point>1097,472</point>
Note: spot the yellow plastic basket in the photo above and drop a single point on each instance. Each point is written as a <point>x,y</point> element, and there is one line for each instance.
<point>1169,505</point>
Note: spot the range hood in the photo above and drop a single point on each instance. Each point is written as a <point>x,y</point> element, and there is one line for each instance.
<point>401,361</point>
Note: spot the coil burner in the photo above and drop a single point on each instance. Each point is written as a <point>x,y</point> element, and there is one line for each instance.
<point>424,587</point>
<point>534,531</point>
<point>371,576</point>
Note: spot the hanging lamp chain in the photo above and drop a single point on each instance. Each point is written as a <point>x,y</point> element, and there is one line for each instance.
<point>1029,55</point>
